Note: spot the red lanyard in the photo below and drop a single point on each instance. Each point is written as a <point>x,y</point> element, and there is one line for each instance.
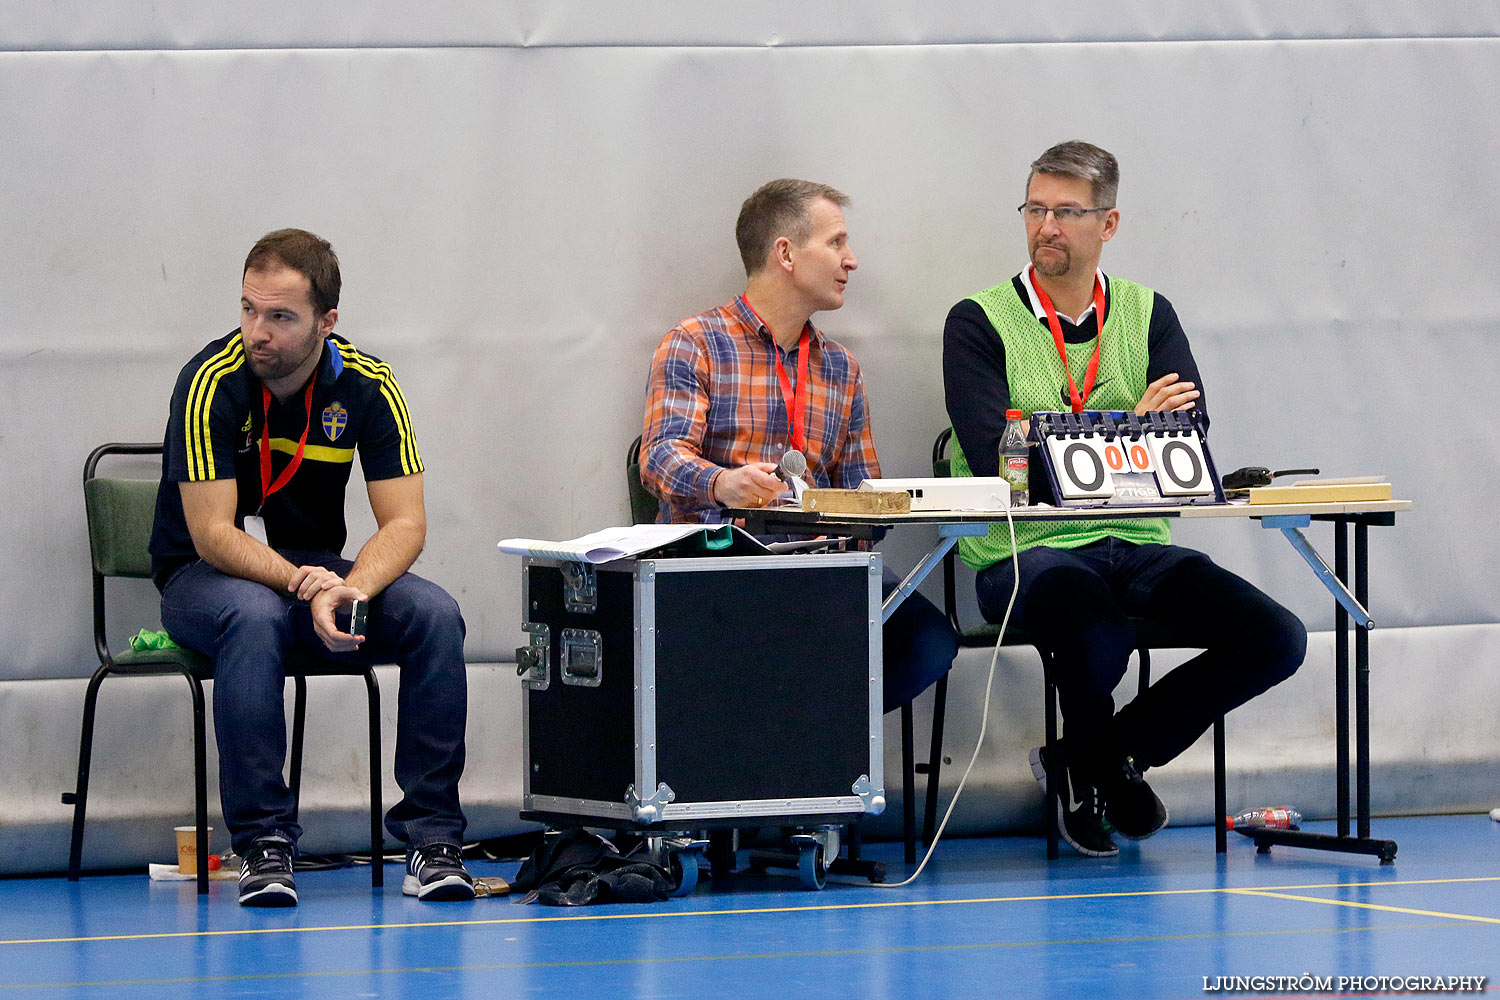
<point>796,399</point>
<point>1062,352</point>
<point>266,486</point>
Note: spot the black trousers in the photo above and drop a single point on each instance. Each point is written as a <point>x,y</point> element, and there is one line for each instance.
<point>1078,603</point>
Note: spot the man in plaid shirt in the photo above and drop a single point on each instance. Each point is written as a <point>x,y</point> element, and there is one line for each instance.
<point>733,389</point>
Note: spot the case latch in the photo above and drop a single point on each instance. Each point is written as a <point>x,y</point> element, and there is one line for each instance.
<point>534,662</point>
<point>580,587</point>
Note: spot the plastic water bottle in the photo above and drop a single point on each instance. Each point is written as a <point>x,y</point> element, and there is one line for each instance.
<point>1268,818</point>
<point>1015,460</point>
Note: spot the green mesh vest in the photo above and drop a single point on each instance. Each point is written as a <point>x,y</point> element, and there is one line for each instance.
<point>1035,374</point>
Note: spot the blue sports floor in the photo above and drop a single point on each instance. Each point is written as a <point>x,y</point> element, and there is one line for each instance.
<point>989,918</point>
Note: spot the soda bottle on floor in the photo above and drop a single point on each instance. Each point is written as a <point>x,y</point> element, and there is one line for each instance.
<point>1268,818</point>
<point>1015,460</point>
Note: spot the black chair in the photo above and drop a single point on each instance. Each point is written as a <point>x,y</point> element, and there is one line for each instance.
<point>120,514</point>
<point>1149,635</point>
<point>643,506</point>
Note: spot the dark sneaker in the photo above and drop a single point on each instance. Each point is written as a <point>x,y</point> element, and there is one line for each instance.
<point>266,872</point>
<point>1080,811</point>
<point>437,872</point>
<point>1131,807</point>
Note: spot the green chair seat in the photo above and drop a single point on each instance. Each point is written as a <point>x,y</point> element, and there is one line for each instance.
<point>135,661</point>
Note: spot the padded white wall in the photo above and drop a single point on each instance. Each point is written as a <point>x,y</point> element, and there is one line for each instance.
<point>526,196</point>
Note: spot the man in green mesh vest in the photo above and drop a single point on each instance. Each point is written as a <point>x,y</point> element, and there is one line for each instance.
<point>1035,343</point>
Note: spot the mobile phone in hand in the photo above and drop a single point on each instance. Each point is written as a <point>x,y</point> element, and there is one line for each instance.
<point>358,614</point>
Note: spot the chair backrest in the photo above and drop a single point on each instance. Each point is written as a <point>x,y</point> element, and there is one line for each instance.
<point>120,513</point>
<point>942,465</point>
<point>643,505</point>
<point>978,635</point>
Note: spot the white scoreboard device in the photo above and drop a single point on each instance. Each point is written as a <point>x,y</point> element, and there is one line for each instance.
<point>1104,458</point>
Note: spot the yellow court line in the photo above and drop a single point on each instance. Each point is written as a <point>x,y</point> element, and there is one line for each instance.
<point>682,959</point>
<point>1364,906</point>
<point>668,914</point>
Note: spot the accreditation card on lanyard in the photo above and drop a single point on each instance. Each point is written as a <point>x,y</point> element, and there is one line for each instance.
<point>255,524</point>
<point>1092,373</point>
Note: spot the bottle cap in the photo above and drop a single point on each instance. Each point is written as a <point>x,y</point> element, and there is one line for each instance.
<point>1013,415</point>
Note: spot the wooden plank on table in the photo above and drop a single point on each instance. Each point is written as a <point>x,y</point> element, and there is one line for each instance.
<point>1314,492</point>
<point>831,501</point>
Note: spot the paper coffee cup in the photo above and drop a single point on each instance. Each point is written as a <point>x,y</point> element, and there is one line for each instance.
<point>187,848</point>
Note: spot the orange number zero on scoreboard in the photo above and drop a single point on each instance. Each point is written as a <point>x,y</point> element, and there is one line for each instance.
<point>1115,456</point>
<point>1140,458</point>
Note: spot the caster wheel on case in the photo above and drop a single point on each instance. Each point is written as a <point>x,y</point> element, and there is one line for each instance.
<point>685,867</point>
<point>810,864</point>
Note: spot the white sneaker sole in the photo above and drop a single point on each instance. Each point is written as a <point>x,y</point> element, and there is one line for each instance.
<point>451,888</point>
<point>275,894</point>
<point>1038,770</point>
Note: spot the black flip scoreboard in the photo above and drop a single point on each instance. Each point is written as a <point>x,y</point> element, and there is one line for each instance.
<point>1113,458</point>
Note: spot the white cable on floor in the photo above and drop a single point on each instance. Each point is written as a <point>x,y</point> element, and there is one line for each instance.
<point>983,720</point>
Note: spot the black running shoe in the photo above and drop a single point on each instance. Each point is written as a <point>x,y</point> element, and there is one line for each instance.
<point>437,872</point>
<point>1080,811</point>
<point>266,872</point>
<point>1131,807</point>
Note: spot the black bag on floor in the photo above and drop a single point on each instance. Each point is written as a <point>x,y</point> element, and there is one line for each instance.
<point>575,868</point>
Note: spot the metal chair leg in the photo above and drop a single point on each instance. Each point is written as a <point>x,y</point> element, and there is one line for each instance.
<point>200,778</point>
<point>1221,795</point>
<point>1054,764</point>
<point>299,719</point>
<point>934,759</point>
<point>377,840</point>
<point>80,795</point>
<point>908,786</point>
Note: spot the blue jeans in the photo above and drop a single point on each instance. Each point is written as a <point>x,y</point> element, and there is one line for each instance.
<point>247,628</point>
<point>919,646</point>
<point>1078,603</point>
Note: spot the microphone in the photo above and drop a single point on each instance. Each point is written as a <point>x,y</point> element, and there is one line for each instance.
<point>793,465</point>
<point>790,470</point>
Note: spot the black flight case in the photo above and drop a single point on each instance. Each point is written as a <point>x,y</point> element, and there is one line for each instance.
<point>685,698</point>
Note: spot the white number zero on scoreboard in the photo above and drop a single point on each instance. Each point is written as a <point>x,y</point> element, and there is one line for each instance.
<point>1082,469</point>
<point>1180,467</point>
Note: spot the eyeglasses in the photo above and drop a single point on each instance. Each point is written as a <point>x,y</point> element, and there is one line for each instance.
<point>1065,215</point>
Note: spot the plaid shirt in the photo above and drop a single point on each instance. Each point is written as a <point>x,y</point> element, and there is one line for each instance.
<point>713,402</point>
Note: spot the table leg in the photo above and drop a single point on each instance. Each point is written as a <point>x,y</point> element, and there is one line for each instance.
<point>1341,674</point>
<point>1361,685</point>
<point>948,536</point>
<point>1344,602</point>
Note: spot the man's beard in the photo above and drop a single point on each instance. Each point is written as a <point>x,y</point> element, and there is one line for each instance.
<point>280,366</point>
<point>1056,266</point>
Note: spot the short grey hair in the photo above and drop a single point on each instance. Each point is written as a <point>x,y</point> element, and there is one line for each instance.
<point>779,208</point>
<point>1086,162</point>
